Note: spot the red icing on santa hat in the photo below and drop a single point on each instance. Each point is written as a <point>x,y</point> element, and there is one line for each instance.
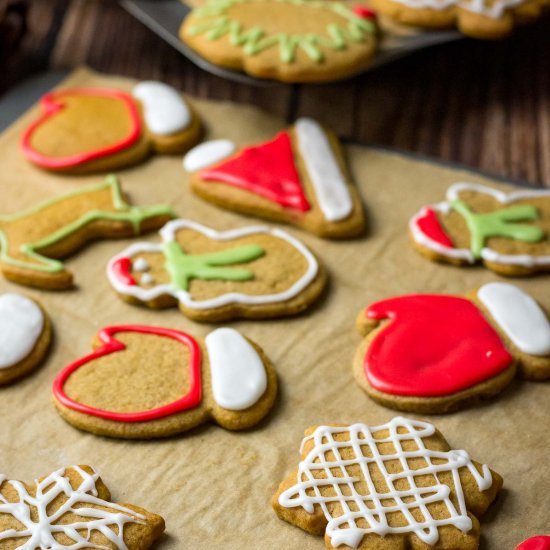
<point>121,268</point>
<point>535,543</point>
<point>364,12</point>
<point>430,225</point>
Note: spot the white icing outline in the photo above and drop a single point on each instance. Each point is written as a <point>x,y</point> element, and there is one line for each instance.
<point>343,528</point>
<point>208,153</point>
<point>494,10</point>
<point>487,254</point>
<point>168,234</point>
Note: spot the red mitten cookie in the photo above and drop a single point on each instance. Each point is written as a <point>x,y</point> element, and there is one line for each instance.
<point>535,543</point>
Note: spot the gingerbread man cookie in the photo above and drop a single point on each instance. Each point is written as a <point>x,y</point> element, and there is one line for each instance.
<point>82,130</point>
<point>389,487</point>
<point>32,241</point>
<point>72,509</point>
<point>298,177</point>
<point>145,382</point>
<point>508,232</point>
<point>25,335</point>
<point>436,353</point>
<point>268,39</point>
<point>252,272</point>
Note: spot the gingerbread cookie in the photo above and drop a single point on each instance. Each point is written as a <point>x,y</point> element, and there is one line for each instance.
<point>435,353</point>
<point>535,543</point>
<point>31,241</point>
<point>508,232</point>
<point>477,18</point>
<point>389,487</point>
<point>268,39</point>
<point>70,509</point>
<point>82,130</point>
<point>299,177</point>
<point>25,334</point>
<point>145,382</point>
<point>252,272</point>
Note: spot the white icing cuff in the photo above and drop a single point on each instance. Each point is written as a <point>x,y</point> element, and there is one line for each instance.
<point>208,153</point>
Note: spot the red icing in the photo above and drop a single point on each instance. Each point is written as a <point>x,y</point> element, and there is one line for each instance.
<point>364,12</point>
<point>535,543</point>
<point>52,103</point>
<point>267,169</point>
<point>434,345</point>
<point>111,345</point>
<point>430,226</point>
<point>122,269</point>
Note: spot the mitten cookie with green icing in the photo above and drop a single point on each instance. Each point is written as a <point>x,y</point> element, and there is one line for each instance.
<point>288,40</point>
<point>251,272</point>
<point>508,232</point>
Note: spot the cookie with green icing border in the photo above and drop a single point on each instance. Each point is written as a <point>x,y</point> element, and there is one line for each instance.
<point>288,40</point>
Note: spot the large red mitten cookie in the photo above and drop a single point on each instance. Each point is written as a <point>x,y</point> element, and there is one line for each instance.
<point>436,353</point>
<point>535,543</point>
<point>143,382</point>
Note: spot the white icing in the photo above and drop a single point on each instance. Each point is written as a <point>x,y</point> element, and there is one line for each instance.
<point>519,316</point>
<point>238,373</point>
<point>318,468</point>
<point>140,264</point>
<point>147,279</point>
<point>21,324</point>
<point>207,154</point>
<point>165,111</point>
<point>331,189</point>
<point>490,8</point>
<point>487,254</point>
<point>109,520</point>
<point>168,234</point>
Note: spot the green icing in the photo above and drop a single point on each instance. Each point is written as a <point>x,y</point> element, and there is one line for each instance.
<point>498,224</point>
<point>122,211</point>
<point>184,267</point>
<point>255,40</point>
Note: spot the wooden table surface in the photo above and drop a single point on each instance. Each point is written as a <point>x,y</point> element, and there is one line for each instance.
<point>483,104</point>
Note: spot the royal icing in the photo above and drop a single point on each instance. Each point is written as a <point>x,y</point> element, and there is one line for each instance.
<point>111,345</point>
<point>82,511</point>
<point>53,103</point>
<point>519,316</point>
<point>494,9</point>
<point>331,189</point>
<point>535,543</point>
<point>141,264</point>
<point>165,111</point>
<point>238,373</point>
<point>355,506</point>
<point>463,349</point>
<point>168,234</point>
<point>21,324</point>
<point>208,153</point>
<point>427,231</point>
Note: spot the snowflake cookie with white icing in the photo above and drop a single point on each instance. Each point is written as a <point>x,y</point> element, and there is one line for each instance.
<point>71,509</point>
<point>145,382</point>
<point>487,19</point>
<point>25,335</point>
<point>389,487</point>
<point>508,232</point>
<point>434,353</point>
<point>82,130</point>
<point>298,177</point>
<point>268,38</point>
<point>252,272</point>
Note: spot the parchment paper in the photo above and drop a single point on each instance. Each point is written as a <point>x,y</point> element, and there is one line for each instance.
<point>213,486</point>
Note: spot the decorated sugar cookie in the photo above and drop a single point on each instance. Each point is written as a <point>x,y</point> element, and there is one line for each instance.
<point>268,38</point>
<point>508,232</point>
<point>71,509</point>
<point>389,487</point>
<point>251,272</point>
<point>535,543</point>
<point>145,382</point>
<point>32,241</point>
<point>434,353</point>
<point>25,334</point>
<point>478,18</point>
<point>84,130</point>
<point>298,177</point>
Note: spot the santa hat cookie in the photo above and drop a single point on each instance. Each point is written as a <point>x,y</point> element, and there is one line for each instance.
<point>81,130</point>
<point>251,272</point>
<point>508,232</point>
<point>145,382</point>
<point>436,353</point>
<point>535,543</point>
<point>298,177</point>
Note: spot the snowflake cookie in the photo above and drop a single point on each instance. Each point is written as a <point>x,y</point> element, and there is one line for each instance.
<point>508,232</point>
<point>388,487</point>
<point>71,509</point>
<point>434,353</point>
